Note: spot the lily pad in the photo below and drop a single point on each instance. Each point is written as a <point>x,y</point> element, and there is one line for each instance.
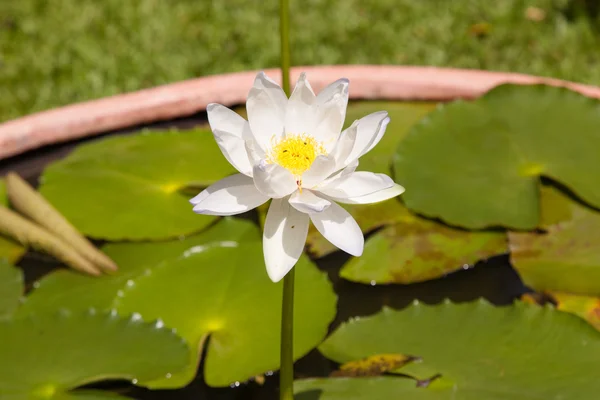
<point>78,292</point>
<point>564,257</point>
<point>586,307</point>
<point>409,248</point>
<point>128,187</point>
<point>379,388</point>
<point>10,250</point>
<point>11,289</point>
<point>76,395</point>
<point>223,293</point>
<point>213,285</point>
<point>481,352</point>
<point>403,116</point>
<point>46,356</point>
<point>477,164</point>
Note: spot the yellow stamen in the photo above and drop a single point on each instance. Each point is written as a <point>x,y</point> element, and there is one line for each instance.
<point>296,153</point>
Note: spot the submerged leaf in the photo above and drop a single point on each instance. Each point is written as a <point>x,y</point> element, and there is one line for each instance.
<point>477,164</point>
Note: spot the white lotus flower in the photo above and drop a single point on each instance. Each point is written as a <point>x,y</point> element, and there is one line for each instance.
<point>292,151</point>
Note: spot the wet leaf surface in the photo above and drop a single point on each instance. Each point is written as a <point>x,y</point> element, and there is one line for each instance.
<point>45,356</point>
<point>64,289</point>
<point>481,352</point>
<point>213,289</point>
<point>564,257</point>
<point>477,164</point>
<point>128,187</point>
<point>408,248</point>
<point>224,292</point>
<point>11,289</point>
<point>10,250</point>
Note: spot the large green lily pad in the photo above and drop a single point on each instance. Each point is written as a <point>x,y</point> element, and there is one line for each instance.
<point>10,250</point>
<point>213,287</point>
<point>11,289</point>
<point>129,187</point>
<point>403,116</point>
<point>45,356</point>
<point>65,289</point>
<point>380,388</point>
<point>408,248</point>
<point>75,395</point>
<point>482,352</point>
<point>224,292</point>
<point>477,164</point>
<point>564,257</point>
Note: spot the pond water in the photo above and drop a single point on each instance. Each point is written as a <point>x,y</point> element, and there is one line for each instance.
<point>493,279</point>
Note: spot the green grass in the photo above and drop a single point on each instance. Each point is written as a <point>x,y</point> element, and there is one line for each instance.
<point>63,51</point>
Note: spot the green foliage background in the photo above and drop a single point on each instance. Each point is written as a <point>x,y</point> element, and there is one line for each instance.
<point>63,51</point>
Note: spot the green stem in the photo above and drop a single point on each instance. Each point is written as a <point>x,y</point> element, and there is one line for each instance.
<point>286,374</point>
<point>284,30</point>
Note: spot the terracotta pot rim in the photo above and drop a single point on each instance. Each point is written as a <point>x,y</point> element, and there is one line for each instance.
<point>383,82</point>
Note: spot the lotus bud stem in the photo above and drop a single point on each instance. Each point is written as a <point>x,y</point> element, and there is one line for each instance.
<point>30,203</point>
<point>29,234</point>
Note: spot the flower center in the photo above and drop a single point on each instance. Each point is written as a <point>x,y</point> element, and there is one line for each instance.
<point>296,153</point>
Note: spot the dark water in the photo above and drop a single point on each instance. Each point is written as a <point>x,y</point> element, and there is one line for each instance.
<point>494,280</point>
